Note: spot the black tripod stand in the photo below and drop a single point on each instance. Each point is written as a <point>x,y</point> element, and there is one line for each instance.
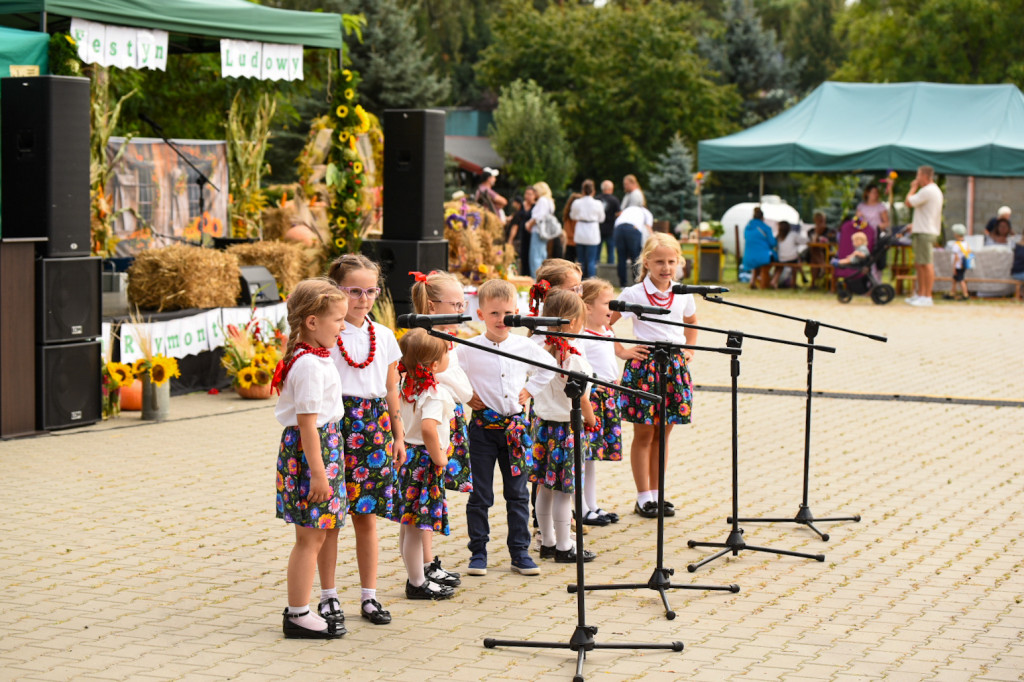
<point>660,580</point>
<point>582,639</point>
<point>803,516</point>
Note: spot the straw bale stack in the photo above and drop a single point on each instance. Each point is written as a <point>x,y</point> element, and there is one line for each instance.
<point>285,261</point>
<point>179,277</point>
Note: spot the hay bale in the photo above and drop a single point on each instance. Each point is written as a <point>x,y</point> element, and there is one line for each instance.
<point>178,277</point>
<point>286,261</point>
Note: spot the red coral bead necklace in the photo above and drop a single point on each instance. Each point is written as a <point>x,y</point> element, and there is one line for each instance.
<point>369,358</point>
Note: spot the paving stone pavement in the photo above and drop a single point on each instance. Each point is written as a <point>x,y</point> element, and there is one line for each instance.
<point>151,550</point>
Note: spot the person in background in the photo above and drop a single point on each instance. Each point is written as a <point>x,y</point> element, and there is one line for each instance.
<point>487,197</point>
<point>631,230</point>
<point>1017,269</point>
<point>588,213</point>
<point>543,206</point>
<point>1002,214</point>
<point>634,195</point>
<point>569,229</point>
<point>873,210</point>
<point>518,235</point>
<point>926,199</point>
<point>960,253</point>
<point>1000,234</point>
<point>820,233</point>
<point>611,212</point>
<point>789,242</point>
<point>759,243</point>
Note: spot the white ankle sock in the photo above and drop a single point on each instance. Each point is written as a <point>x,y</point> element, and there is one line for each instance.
<point>643,498</point>
<point>654,496</point>
<point>590,486</point>
<point>310,620</point>
<point>561,515</point>
<point>332,593</point>
<point>542,506</point>
<point>368,594</point>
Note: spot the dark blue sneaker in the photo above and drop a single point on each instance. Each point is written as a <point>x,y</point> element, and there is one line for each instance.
<point>524,565</point>
<point>477,565</point>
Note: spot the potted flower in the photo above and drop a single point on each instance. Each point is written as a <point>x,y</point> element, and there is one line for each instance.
<point>115,376</point>
<point>155,371</point>
<point>251,352</point>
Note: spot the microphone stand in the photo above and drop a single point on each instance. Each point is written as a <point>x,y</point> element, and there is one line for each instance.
<point>811,327</point>
<point>660,579</point>
<point>582,639</point>
<point>734,543</point>
<point>201,178</point>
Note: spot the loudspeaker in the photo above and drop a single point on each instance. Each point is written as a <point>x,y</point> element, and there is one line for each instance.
<point>17,339</point>
<point>44,150</point>
<point>69,385</point>
<point>258,285</point>
<point>69,295</point>
<point>398,257</point>
<point>413,174</point>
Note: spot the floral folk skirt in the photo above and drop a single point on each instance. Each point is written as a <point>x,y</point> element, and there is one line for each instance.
<point>457,475</point>
<point>606,436</point>
<point>553,465</point>
<point>293,477</point>
<point>421,500</point>
<point>643,374</point>
<point>369,471</point>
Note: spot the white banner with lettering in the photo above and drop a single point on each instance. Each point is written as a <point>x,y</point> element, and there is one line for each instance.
<point>184,336</point>
<point>266,61</point>
<point>121,46</point>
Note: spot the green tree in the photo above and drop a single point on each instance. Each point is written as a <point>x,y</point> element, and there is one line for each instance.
<point>749,56</point>
<point>624,78</point>
<point>946,41</point>
<point>528,133</point>
<point>811,43</point>
<point>671,188</point>
<point>397,72</point>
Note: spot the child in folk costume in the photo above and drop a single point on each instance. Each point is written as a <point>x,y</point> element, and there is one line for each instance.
<point>310,475</point>
<point>659,260</point>
<point>428,409</point>
<point>498,433</point>
<point>554,273</point>
<point>440,293</point>
<point>366,358</point>
<point>606,436</point>
<point>553,440</point>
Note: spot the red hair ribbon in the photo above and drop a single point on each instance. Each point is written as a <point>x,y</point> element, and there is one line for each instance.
<point>416,382</point>
<point>562,345</point>
<point>538,292</point>
<point>418,276</point>
<point>282,369</point>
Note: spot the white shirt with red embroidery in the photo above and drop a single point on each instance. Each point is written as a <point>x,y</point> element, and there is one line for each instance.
<point>682,305</point>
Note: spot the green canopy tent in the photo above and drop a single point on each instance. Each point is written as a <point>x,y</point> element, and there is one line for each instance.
<point>974,130</point>
<point>195,25</point>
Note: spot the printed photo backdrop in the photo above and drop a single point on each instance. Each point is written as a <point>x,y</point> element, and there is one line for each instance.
<point>156,198</point>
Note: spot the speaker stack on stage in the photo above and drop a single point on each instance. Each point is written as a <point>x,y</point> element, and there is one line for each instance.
<point>413,236</point>
<point>49,286</point>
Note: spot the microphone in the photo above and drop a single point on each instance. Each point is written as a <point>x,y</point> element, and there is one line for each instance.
<point>152,124</point>
<point>412,320</point>
<point>691,289</point>
<point>534,322</point>
<point>636,309</point>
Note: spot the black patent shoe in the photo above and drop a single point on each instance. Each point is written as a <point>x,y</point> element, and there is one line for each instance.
<point>330,610</point>
<point>378,616</point>
<point>428,590</point>
<point>648,511</point>
<point>568,556</point>
<point>595,519</point>
<point>293,630</point>
<point>547,552</point>
<point>442,576</point>
<point>670,509</point>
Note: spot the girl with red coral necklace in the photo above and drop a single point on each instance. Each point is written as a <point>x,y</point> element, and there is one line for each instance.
<point>310,481</point>
<point>366,357</point>
<point>660,260</point>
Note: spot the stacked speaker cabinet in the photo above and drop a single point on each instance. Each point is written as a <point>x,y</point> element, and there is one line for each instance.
<point>413,201</point>
<point>44,195</point>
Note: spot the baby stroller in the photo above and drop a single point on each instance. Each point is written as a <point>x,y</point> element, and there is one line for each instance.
<point>865,281</point>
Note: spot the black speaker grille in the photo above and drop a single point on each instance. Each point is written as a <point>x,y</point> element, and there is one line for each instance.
<point>414,174</point>
<point>69,299</point>
<point>69,385</point>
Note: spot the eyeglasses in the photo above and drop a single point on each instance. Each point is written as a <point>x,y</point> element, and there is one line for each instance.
<point>578,289</point>
<point>359,292</point>
<point>458,306</point>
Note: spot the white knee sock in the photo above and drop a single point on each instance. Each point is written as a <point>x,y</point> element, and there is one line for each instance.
<point>590,486</point>
<point>561,515</point>
<point>412,554</point>
<point>543,508</point>
<point>310,620</point>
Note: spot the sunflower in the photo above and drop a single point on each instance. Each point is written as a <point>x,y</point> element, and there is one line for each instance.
<point>341,111</point>
<point>340,242</point>
<point>163,369</point>
<point>140,367</point>
<point>343,135</point>
<point>261,377</point>
<point>349,93</point>
<point>357,167</point>
<point>246,376</point>
<point>121,373</point>
<point>262,361</point>
<point>346,74</point>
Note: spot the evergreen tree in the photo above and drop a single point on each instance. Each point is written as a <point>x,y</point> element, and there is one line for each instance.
<point>671,188</point>
<point>811,42</point>
<point>396,71</point>
<point>750,57</point>
<point>528,133</point>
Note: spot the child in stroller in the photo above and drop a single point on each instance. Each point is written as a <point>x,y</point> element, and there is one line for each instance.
<point>866,281</point>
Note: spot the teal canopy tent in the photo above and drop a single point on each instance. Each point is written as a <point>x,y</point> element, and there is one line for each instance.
<point>201,20</point>
<point>959,129</point>
<point>23,48</point>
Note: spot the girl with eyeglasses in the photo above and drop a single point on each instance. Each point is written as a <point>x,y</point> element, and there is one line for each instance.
<point>366,357</point>
<point>440,293</point>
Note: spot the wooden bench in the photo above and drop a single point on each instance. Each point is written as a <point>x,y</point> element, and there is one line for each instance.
<point>762,275</point>
<point>1017,284</point>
